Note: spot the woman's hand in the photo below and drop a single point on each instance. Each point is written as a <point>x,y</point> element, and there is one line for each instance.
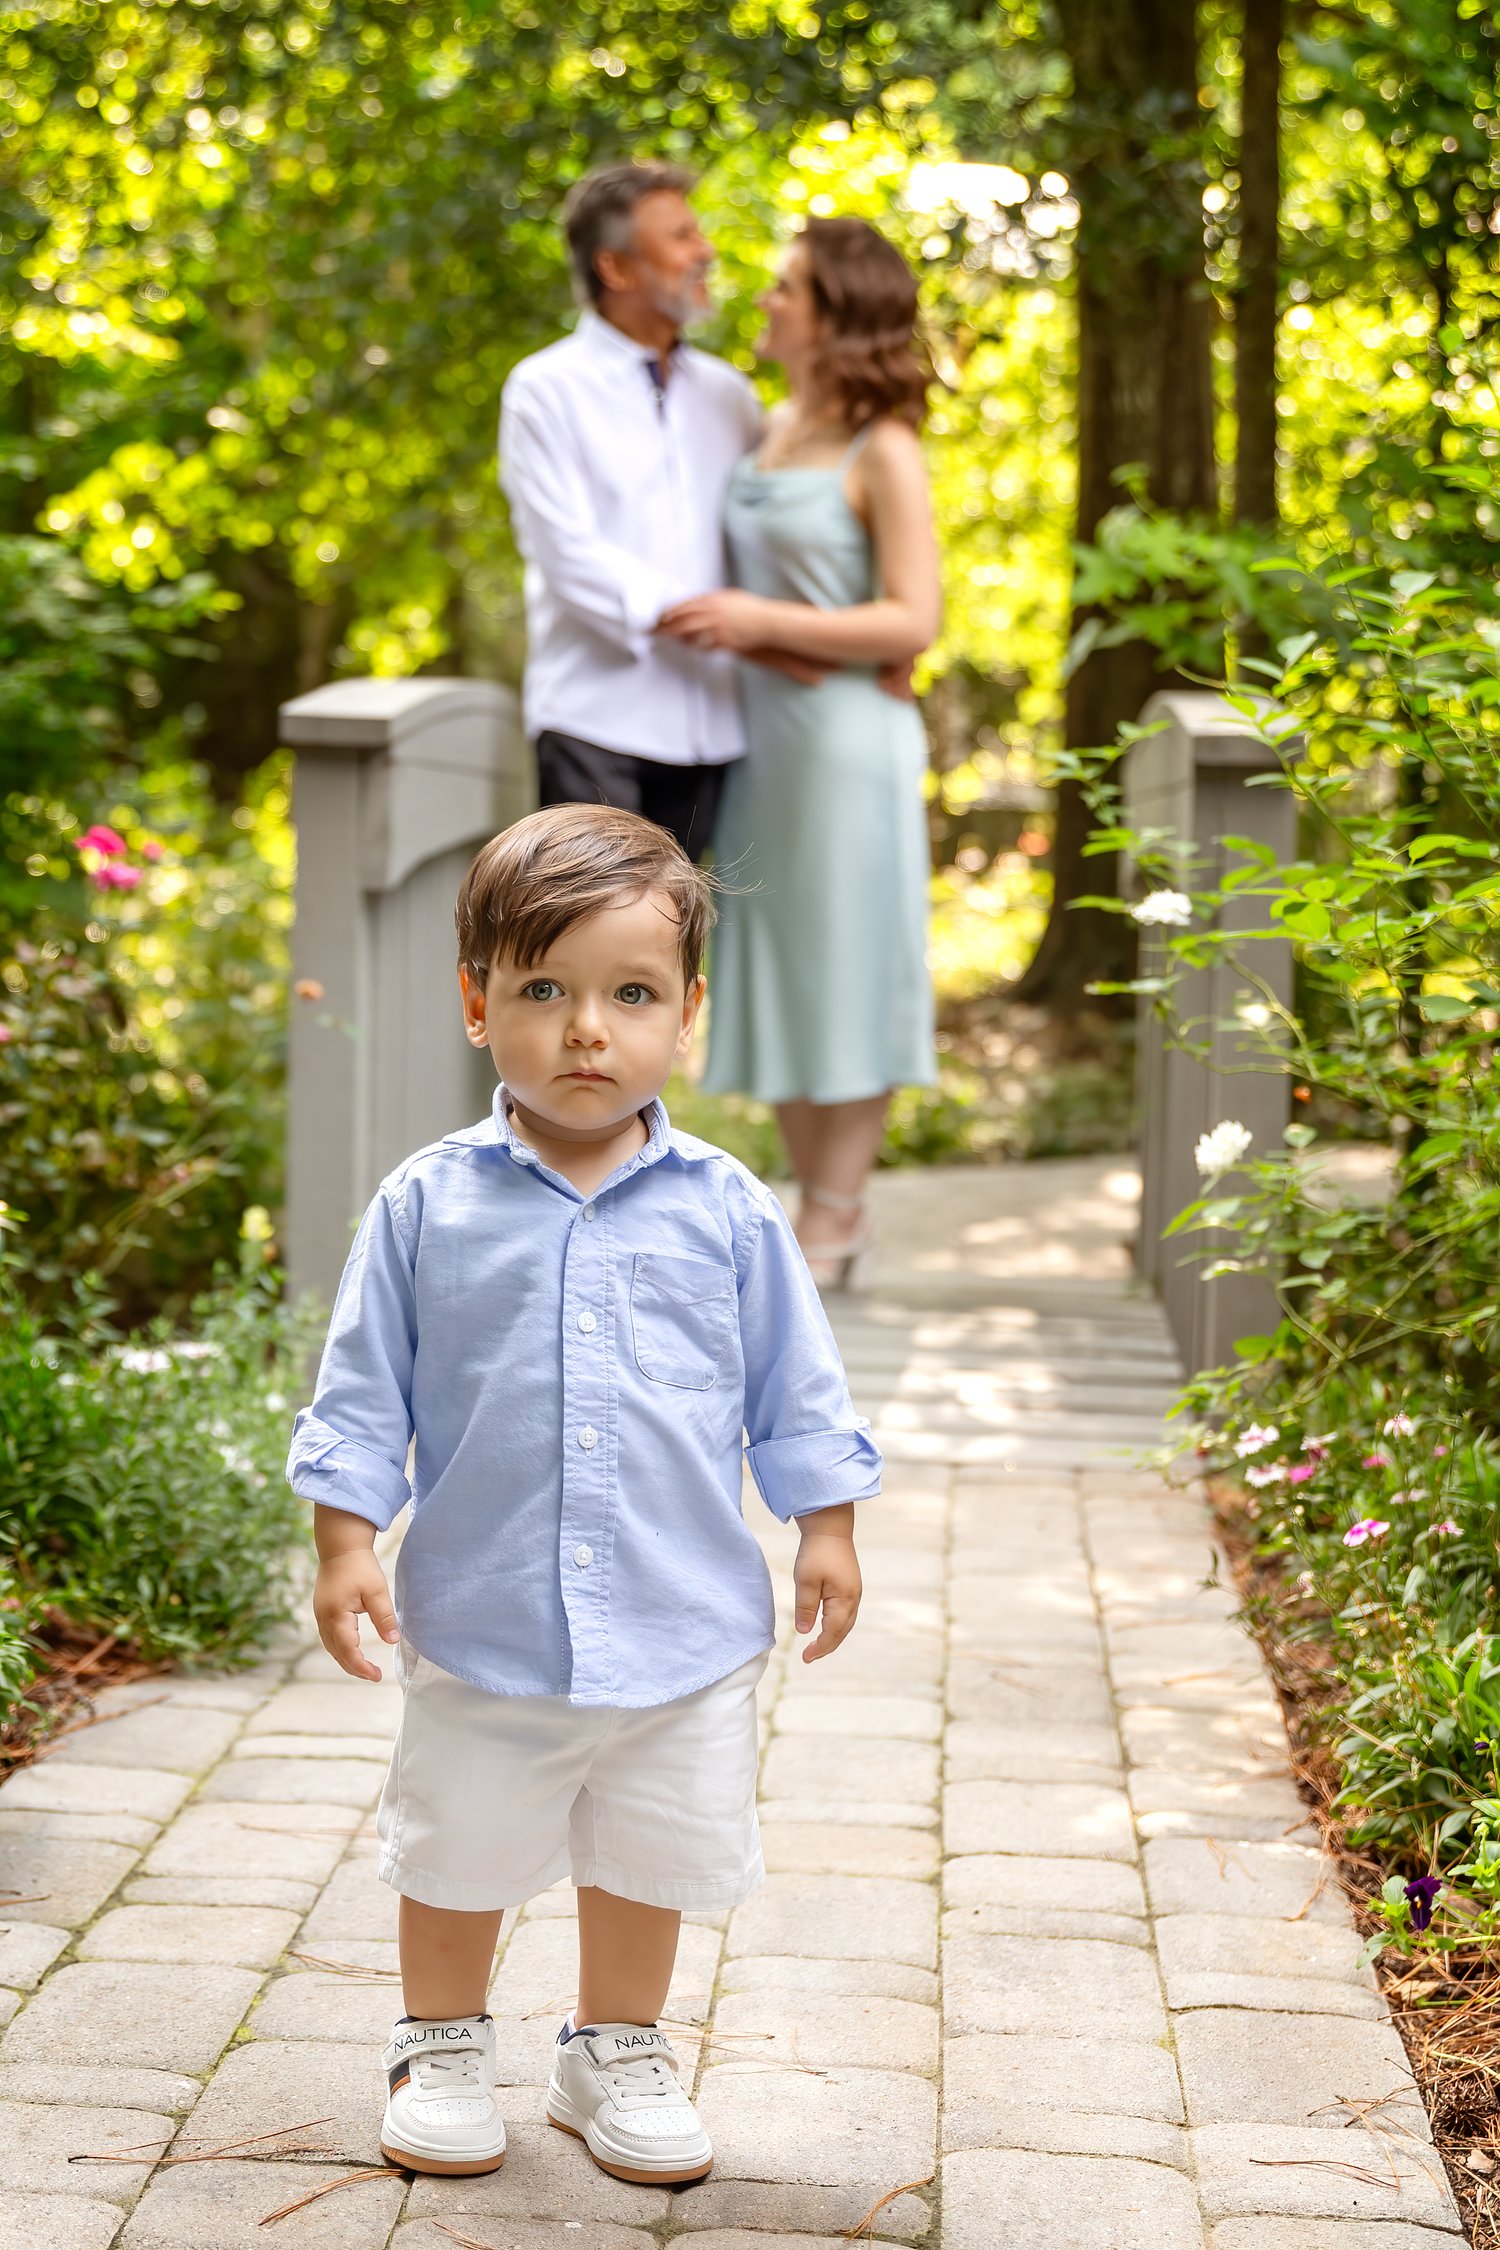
<point>729,619</point>
<point>826,1577</point>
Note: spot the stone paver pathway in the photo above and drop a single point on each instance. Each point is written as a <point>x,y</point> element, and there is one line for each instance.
<point>1045,1943</point>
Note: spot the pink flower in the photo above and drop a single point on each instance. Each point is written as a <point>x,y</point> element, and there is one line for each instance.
<point>1440,1453</point>
<point>150,849</point>
<point>101,839</point>
<point>1368,1527</point>
<point>114,877</point>
<point>1375,1461</point>
<point>1301,1471</point>
<point>1447,1529</point>
<point>1400,1425</point>
<point>6,1034</point>
<point>1317,1447</point>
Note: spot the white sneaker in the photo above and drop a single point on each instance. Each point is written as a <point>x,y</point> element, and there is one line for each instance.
<point>615,2086</point>
<point>440,2114</point>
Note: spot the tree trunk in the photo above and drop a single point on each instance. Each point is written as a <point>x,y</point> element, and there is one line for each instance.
<point>1257,296</point>
<point>1145,392</point>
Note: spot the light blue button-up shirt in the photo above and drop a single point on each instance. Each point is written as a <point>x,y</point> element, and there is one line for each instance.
<point>580,1373</point>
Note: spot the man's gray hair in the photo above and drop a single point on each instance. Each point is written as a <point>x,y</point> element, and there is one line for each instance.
<point>599,214</point>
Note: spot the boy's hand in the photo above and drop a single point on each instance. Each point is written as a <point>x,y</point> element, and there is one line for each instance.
<point>350,1583</point>
<point>827,1577</point>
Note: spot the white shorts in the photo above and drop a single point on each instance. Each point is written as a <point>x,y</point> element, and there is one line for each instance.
<point>491,1798</point>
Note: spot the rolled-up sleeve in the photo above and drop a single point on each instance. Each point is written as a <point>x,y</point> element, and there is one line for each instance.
<point>808,1449</point>
<point>349,1447</point>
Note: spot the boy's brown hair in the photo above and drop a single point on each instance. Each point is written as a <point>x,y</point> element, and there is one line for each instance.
<point>532,882</point>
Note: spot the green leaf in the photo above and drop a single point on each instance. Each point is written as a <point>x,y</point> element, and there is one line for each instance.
<point>1443,1007</point>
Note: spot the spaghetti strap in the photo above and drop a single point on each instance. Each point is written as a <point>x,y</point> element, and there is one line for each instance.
<point>856,447</point>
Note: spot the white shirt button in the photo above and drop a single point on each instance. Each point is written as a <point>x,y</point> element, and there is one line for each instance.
<point>588,1437</point>
<point>588,1210</point>
<point>583,1556</point>
<point>587,1323</point>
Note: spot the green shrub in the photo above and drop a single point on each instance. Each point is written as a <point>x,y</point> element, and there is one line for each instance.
<point>141,1480</point>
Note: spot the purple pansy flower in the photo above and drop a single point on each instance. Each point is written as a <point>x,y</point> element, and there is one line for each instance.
<point>1420,1895</point>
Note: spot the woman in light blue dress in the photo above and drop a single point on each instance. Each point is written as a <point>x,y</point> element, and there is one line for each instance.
<point>822,1003</point>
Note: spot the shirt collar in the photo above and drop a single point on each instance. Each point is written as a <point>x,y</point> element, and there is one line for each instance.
<point>658,1143</point>
<point>603,337</point>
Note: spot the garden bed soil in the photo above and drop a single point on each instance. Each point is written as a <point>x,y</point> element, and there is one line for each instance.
<point>1446,2009</point>
<point>75,1666</point>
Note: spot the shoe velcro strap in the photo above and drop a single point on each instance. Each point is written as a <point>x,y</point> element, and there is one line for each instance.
<point>628,2046</point>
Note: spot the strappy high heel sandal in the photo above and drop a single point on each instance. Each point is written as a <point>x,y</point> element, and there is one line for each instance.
<point>841,1267</point>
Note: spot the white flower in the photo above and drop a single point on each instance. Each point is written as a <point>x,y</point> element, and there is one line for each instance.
<point>1221,1149</point>
<point>196,1350</point>
<point>1400,1425</point>
<point>1164,909</point>
<point>1256,1439</point>
<point>275,1403</point>
<point>1270,1472</point>
<point>141,1362</point>
<point>233,1458</point>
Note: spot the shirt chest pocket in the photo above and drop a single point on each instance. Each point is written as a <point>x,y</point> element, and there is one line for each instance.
<point>681,1317</point>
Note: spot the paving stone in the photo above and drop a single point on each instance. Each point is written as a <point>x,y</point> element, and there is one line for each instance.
<point>823,1767</point>
<point>862,1812</point>
<point>546,2175</point>
<point>867,2129</point>
<point>27,1951</point>
<point>348,1707</point>
<point>1239,1828</point>
<point>1282,1996</point>
<point>1063,1819</point>
<point>266,2084</point>
<point>72,1879</point>
<point>839,1917</point>
<point>1061,2132</point>
<point>304,1842</point>
<point>832,1980</point>
<point>1221,1944</point>
<point>1288,2171</point>
<point>765,2210</point>
<point>1229,1803</point>
<point>1021,1695</point>
<point>1118,2077</point>
<point>1272,1880</point>
<point>1006,2199</point>
<point>978,1750</point>
<point>1077,1986</point>
<point>221,2207</point>
<point>1043,1922</point>
<point>54,1785</point>
<point>354,1903</point>
<point>9,2003</point>
<point>1323,2234</point>
<point>1204,1741</point>
<point>56,2222</point>
<point>162,2016</point>
<point>307,2005</point>
<point>220,1890</point>
<point>805,1847</point>
<point>37,2139</point>
<point>865,2033</point>
<point>168,1737</point>
<point>1240,2068</point>
<point>81,2085</point>
<point>737,2238</point>
<point>527,2234</point>
<point>900,1718</point>
<point>295,1781</point>
<point>241,1690</point>
<point>1081,1886</point>
<point>251,1937</point>
<point>76,1827</point>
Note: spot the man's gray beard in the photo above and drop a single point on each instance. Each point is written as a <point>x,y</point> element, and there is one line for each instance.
<point>684,307</point>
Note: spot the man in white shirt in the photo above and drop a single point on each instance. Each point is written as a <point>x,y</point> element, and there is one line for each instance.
<point>616,444</point>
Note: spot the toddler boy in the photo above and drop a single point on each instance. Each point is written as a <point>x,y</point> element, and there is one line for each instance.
<point>578,1313</point>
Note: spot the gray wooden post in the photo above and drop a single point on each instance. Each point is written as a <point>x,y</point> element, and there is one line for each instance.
<point>1190,779</point>
<point>398,783</point>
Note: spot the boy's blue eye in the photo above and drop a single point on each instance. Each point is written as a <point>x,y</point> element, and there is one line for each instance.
<point>541,988</point>
<point>635,995</point>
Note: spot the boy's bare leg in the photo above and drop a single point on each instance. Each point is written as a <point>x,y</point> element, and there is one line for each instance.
<point>446,1959</point>
<point>625,1957</point>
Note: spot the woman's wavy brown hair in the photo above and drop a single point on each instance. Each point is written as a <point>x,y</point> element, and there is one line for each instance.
<point>866,294</point>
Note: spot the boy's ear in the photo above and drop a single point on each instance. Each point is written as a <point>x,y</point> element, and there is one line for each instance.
<point>476,1030</point>
<point>692,1002</point>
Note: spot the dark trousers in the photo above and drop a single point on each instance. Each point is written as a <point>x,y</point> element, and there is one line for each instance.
<point>684,799</point>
